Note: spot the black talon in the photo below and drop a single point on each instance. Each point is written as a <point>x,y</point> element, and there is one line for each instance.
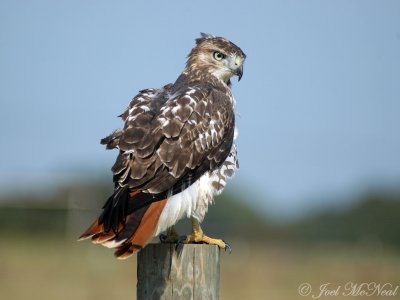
<point>180,241</point>
<point>227,246</point>
<point>162,238</point>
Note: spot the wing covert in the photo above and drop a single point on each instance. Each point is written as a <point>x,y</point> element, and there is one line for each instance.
<point>170,136</point>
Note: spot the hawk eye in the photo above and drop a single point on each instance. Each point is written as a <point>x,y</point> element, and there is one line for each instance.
<point>218,55</point>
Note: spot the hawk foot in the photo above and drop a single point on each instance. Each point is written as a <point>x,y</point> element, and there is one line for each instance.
<point>200,237</point>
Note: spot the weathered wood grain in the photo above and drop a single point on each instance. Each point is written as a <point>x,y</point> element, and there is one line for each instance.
<point>189,272</point>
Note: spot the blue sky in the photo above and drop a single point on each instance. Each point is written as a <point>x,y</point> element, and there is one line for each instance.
<point>318,105</point>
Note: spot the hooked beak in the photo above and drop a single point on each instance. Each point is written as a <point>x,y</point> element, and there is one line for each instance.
<point>239,72</point>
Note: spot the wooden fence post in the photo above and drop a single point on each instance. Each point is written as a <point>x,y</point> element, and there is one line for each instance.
<point>189,272</point>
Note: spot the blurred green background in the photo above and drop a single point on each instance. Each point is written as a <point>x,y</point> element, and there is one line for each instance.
<point>317,196</point>
<point>41,259</point>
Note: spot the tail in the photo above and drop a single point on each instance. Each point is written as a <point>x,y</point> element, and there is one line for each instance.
<point>127,223</point>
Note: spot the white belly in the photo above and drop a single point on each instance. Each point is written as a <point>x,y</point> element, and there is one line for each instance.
<point>193,201</point>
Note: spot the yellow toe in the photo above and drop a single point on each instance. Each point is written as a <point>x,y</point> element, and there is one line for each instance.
<point>197,237</point>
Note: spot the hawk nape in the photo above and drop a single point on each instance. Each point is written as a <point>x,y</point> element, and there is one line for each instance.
<point>176,152</point>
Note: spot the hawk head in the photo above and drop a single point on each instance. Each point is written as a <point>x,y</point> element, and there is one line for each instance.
<point>216,56</point>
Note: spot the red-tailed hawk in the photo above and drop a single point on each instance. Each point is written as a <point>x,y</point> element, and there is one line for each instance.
<point>176,152</point>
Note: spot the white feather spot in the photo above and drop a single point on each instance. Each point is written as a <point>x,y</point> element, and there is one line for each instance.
<point>145,108</point>
<point>191,91</point>
<point>113,244</point>
<point>175,109</point>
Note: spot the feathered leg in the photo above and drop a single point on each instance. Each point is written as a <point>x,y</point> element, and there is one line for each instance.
<point>197,236</point>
